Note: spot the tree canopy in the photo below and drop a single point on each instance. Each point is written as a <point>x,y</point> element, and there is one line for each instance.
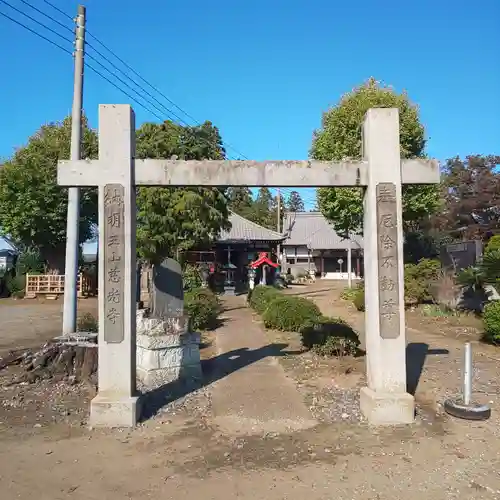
<point>177,219</point>
<point>470,189</point>
<point>294,203</point>
<point>262,210</point>
<point>340,138</point>
<point>33,207</point>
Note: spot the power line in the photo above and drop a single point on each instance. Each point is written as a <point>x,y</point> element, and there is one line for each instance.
<point>122,91</point>
<point>90,56</point>
<point>226,144</point>
<point>229,146</point>
<point>165,109</point>
<point>36,21</point>
<point>58,10</point>
<point>36,33</point>
<point>169,111</point>
<point>47,16</point>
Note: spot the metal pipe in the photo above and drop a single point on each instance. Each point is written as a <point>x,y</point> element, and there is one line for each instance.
<point>467,374</point>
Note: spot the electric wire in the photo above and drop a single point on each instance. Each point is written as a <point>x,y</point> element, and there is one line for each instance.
<point>166,110</point>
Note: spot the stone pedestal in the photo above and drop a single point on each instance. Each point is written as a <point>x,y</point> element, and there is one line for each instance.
<point>391,408</point>
<point>167,351</point>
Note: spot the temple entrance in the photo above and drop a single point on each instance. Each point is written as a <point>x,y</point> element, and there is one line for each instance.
<point>381,173</point>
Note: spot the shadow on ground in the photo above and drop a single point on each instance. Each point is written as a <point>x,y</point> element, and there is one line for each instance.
<point>416,354</point>
<point>214,369</point>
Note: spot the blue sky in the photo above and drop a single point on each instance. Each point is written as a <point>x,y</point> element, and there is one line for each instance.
<point>264,71</point>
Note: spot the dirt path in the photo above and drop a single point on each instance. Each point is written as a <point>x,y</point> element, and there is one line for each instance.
<point>244,448</point>
<point>257,396</point>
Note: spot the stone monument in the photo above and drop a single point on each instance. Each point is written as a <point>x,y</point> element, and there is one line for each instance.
<point>166,348</point>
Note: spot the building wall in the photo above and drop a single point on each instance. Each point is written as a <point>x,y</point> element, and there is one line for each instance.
<point>325,263</point>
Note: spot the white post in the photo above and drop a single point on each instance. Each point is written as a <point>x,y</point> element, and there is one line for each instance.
<point>116,404</point>
<point>349,262</point>
<point>385,400</point>
<point>467,396</point>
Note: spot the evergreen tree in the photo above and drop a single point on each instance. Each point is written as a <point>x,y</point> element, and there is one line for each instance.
<point>295,202</point>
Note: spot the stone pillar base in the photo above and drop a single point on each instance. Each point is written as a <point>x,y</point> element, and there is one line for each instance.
<point>167,352</point>
<point>106,411</point>
<point>386,408</point>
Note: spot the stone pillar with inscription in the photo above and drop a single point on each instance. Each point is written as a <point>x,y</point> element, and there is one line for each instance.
<point>385,400</point>
<point>116,404</point>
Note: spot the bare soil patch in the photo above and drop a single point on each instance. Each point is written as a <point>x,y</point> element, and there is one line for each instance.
<point>181,453</point>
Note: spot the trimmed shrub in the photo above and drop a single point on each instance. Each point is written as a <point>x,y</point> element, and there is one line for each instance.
<point>418,280</point>
<point>330,337</point>
<point>491,319</point>
<point>262,296</point>
<point>359,299</point>
<point>16,285</point>
<point>291,314</point>
<point>191,277</point>
<point>493,244</point>
<point>87,323</point>
<point>203,308</point>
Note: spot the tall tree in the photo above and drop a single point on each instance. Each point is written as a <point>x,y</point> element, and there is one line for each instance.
<point>340,138</point>
<point>263,209</point>
<point>32,206</point>
<point>240,201</point>
<point>294,202</point>
<point>471,192</point>
<point>176,219</point>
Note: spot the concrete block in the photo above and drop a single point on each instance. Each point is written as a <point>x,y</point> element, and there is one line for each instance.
<point>114,411</point>
<point>386,408</point>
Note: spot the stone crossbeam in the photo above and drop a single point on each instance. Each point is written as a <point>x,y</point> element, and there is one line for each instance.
<point>282,173</point>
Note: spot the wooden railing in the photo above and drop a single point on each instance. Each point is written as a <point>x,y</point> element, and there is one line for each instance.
<point>53,285</point>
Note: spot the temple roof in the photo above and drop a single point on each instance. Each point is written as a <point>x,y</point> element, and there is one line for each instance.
<point>244,230</point>
<point>312,230</point>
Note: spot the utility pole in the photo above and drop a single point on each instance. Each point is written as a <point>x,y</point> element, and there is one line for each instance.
<point>73,217</point>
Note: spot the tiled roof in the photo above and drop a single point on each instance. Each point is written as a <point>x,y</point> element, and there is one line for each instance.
<point>244,230</point>
<point>311,229</point>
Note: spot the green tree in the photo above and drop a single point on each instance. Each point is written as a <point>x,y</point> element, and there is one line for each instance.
<point>294,202</point>
<point>263,210</point>
<point>340,138</point>
<point>240,201</point>
<point>32,206</point>
<point>177,219</point>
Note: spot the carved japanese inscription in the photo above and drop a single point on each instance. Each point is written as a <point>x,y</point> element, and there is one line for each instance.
<point>387,254</point>
<point>114,263</point>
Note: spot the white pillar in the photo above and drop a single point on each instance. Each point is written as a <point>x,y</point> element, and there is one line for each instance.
<point>385,400</point>
<point>349,262</point>
<point>116,404</point>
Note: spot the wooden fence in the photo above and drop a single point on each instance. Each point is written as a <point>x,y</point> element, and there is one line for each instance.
<point>52,285</point>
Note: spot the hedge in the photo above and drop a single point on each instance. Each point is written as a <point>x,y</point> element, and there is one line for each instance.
<point>261,296</point>
<point>491,319</point>
<point>331,337</point>
<point>203,308</point>
<point>325,336</point>
<point>290,313</point>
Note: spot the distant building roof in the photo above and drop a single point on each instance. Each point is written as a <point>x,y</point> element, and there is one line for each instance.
<point>312,230</point>
<point>244,230</point>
